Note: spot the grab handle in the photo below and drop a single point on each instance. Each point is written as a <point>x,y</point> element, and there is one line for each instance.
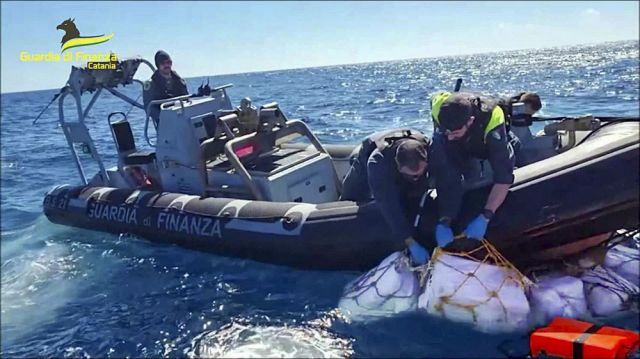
<point>155,125</point>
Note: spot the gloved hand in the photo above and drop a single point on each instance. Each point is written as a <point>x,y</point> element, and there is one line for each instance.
<point>477,228</point>
<point>418,253</point>
<point>444,234</point>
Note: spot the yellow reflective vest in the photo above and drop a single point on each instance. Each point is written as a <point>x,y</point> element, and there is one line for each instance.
<point>496,117</point>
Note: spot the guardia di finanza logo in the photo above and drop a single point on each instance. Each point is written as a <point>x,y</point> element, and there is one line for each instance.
<point>73,39</point>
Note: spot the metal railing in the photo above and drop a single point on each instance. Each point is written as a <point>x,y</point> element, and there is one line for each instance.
<point>77,132</point>
<point>292,127</point>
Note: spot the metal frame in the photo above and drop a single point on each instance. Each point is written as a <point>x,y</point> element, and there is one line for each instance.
<point>146,111</point>
<point>292,127</point>
<point>68,127</point>
<point>78,132</point>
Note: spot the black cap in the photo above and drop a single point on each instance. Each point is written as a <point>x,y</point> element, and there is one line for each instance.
<point>455,111</point>
<point>160,57</point>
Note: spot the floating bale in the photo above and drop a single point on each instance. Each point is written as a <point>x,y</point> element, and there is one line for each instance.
<point>625,261</point>
<point>557,296</point>
<point>607,292</point>
<point>489,293</point>
<point>389,288</point>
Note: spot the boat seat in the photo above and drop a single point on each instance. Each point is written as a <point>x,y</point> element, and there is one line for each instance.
<point>231,124</point>
<point>270,118</point>
<point>260,145</point>
<point>219,133</point>
<point>210,125</point>
<point>139,158</point>
<point>123,136</point>
<point>263,142</point>
<point>212,148</point>
<point>126,146</point>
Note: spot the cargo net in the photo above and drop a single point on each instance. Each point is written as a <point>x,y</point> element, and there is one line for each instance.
<point>481,268</point>
<point>390,281</point>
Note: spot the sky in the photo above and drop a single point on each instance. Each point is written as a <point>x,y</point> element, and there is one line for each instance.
<point>209,38</point>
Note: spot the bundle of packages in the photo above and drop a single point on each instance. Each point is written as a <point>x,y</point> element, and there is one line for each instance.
<point>625,261</point>
<point>607,292</point>
<point>390,288</point>
<point>557,296</point>
<point>482,288</point>
<point>488,293</point>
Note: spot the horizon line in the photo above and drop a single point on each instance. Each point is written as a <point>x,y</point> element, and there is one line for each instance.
<point>380,61</point>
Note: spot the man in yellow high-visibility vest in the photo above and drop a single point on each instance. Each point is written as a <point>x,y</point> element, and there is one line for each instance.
<point>468,126</point>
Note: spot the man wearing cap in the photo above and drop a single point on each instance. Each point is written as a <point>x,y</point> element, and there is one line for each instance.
<point>391,168</point>
<point>468,126</point>
<point>518,112</point>
<point>530,101</point>
<point>165,83</point>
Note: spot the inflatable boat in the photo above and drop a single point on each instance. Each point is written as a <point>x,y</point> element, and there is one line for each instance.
<point>248,182</point>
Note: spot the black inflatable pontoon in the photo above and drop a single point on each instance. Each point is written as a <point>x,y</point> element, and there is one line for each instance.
<point>258,196</point>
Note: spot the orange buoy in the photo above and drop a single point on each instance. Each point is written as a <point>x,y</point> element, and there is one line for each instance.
<point>570,338</point>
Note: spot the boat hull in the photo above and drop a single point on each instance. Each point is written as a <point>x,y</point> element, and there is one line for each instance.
<point>584,192</point>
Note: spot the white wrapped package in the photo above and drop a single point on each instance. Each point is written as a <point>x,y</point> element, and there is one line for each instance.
<point>557,296</point>
<point>625,261</point>
<point>387,289</point>
<point>606,291</point>
<point>489,297</point>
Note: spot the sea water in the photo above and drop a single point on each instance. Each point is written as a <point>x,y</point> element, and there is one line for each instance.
<point>72,292</point>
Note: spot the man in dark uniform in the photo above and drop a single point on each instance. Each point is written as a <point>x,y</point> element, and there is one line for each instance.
<point>467,127</point>
<point>518,111</point>
<point>530,102</point>
<point>391,167</point>
<point>165,83</point>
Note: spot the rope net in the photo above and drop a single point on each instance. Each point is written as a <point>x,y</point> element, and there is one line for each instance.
<point>491,256</point>
<point>472,282</point>
<point>370,282</point>
<point>457,289</point>
<point>389,288</point>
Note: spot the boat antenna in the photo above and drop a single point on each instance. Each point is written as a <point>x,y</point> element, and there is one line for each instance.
<point>47,106</point>
<point>207,89</point>
<point>200,89</point>
<point>458,85</point>
<point>131,108</point>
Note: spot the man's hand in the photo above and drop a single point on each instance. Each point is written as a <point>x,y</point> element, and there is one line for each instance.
<point>477,228</point>
<point>418,253</point>
<point>444,234</point>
